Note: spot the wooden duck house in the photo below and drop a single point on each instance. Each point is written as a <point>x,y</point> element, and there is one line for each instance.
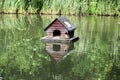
<point>60,30</point>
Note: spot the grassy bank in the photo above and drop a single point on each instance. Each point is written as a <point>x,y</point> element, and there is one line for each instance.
<point>72,7</point>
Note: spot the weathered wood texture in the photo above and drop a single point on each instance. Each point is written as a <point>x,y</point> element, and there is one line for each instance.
<point>57,26</point>
<point>55,40</point>
<point>62,48</point>
<point>57,55</point>
<point>59,40</point>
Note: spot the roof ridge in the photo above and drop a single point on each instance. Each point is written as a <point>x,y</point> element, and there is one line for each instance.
<point>65,22</point>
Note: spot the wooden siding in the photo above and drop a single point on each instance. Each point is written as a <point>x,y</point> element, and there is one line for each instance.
<point>57,26</point>
<point>63,48</point>
<point>56,55</point>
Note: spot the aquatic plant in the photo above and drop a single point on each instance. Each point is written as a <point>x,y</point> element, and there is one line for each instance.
<point>76,7</point>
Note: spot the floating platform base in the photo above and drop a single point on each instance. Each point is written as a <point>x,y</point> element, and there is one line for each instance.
<point>59,40</point>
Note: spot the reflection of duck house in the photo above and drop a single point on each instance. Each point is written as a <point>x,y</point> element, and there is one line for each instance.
<point>59,51</point>
<point>60,30</point>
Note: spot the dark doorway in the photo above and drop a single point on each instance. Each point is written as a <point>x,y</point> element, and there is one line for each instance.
<point>56,33</point>
<point>56,47</point>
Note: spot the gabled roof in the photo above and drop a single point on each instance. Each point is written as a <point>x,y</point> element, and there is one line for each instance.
<point>65,22</point>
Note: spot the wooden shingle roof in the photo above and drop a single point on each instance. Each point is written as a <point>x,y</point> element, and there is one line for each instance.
<point>65,22</point>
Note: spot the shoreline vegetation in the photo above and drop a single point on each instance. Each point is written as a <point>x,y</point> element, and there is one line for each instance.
<point>61,7</point>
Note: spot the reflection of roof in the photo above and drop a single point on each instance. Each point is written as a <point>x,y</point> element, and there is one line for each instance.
<point>58,57</point>
<point>65,22</point>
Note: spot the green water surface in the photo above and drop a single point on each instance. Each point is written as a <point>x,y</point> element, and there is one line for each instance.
<point>96,56</point>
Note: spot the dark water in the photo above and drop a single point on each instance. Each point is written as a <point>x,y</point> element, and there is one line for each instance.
<point>96,56</point>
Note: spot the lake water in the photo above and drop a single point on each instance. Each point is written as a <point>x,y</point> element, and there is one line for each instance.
<point>96,56</point>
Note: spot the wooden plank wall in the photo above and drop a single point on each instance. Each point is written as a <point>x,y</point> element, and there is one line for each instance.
<point>57,26</point>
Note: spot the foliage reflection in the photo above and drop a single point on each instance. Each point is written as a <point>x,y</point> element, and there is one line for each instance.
<point>22,55</point>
